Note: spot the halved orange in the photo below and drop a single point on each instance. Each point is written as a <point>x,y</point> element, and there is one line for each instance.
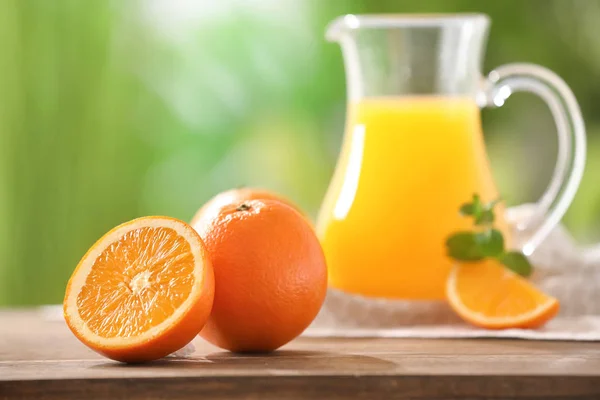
<point>488,295</point>
<point>143,291</point>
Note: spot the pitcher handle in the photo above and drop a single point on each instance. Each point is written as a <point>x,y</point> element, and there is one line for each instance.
<point>551,207</point>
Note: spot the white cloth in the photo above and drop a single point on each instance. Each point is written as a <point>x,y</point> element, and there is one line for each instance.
<point>561,328</point>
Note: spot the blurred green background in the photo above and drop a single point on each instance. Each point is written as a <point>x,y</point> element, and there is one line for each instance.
<point>113,110</point>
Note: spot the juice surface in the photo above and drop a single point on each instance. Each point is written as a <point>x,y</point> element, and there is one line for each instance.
<point>406,165</point>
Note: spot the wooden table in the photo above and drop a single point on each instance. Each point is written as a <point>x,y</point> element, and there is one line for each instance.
<point>42,360</point>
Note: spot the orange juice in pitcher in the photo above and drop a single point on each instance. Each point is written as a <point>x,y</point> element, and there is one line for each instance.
<point>413,151</point>
<point>394,199</point>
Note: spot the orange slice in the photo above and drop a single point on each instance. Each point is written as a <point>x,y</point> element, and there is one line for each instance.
<point>143,291</point>
<point>488,295</point>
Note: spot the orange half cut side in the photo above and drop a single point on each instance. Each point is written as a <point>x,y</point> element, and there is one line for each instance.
<point>143,291</point>
<point>488,295</point>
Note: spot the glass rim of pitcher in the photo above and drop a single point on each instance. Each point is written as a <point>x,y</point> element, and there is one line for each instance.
<point>351,22</point>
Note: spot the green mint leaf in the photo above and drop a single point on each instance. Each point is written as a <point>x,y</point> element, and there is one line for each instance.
<point>484,241</point>
<point>466,209</point>
<point>462,246</point>
<point>473,208</point>
<point>490,242</point>
<point>516,262</point>
<point>485,217</point>
<point>477,205</point>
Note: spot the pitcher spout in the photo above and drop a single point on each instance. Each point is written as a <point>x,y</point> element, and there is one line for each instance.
<point>341,26</point>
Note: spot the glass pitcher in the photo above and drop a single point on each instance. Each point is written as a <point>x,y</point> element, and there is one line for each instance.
<point>413,150</point>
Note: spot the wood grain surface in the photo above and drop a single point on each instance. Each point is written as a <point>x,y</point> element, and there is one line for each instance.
<point>41,359</point>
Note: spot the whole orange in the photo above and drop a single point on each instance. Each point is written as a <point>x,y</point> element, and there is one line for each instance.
<point>236,195</point>
<point>270,275</point>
